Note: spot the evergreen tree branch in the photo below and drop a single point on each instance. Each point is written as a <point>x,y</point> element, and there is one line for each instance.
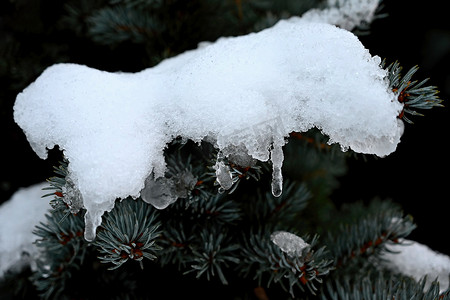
<point>116,24</point>
<point>366,235</point>
<point>382,285</point>
<point>270,264</point>
<point>175,241</point>
<point>57,184</point>
<point>412,94</point>
<point>286,209</point>
<point>215,252</point>
<point>129,232</point>
<point>62,250</point>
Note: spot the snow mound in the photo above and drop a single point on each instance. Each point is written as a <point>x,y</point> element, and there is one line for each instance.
<point>289,243</point>
<point>347,14</point>
<point>417,260</point>
<point>18,217</point>
<point>246,92</point>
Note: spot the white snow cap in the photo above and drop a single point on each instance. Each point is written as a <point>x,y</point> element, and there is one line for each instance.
<point>18,217</point>
<point>289,243</point>
<point>417,260</point>
<point>346,14</point>
<point>246,92</point>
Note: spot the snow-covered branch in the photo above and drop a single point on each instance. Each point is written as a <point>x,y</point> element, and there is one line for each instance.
<point>243,94</point>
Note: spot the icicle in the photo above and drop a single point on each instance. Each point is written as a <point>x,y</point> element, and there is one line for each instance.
<point>92,220</point>
<point>276,156</point>
<point>289,243</point>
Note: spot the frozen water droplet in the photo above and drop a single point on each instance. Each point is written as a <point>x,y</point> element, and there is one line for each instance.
<point>277,157</point>
<point>160,192</point>
<point>289,243</point>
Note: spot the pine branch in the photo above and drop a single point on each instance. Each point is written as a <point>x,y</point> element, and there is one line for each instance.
<point>217,209</point>
<point>270,264</point>
<point>382,286</point>
<point>412,94</point>
<point>214,253</point>
<point>138,3</point>
<point>119,23</point>
<point>366,233</point>
<point>67,197</point>
<point>127,233</point>
<point>62,249</point>
<point>57,184</point>
<point>266,208</point>
<point>176,240</point>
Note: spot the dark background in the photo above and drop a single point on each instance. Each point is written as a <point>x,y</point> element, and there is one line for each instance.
<point>416,175</point>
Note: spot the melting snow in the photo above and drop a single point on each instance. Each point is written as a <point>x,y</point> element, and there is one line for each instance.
<point>246,92</point>
<point>289,243</point>
<point>417,260</point>
<point>18,217</point>
<point>346,14</point>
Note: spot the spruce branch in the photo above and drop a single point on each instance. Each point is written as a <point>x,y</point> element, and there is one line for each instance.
<point>67,197</point>
<point>214,254</point>
<point>138,3</point>
<point>270,264</point>
<point>176,240</point>
<point>216,209</point>
<point>366,234</point>
<point>382,285</point>
<point>184,225</point>
<point>412,94</point>
<point>120,23</point>
<point>62,249</point>
<point>76,14</point>
<point>57,184</point>
<point>127,233</point>
<point>265,207</point>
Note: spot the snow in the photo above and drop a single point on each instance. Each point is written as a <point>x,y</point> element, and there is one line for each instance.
<point>18,217</point>
<point>417,260</point>
<point>347,14</point>
<point>244,93</point>
<point>289,243</point>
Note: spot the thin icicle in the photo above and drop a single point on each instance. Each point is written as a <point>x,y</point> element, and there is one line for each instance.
<point>277,157</point>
